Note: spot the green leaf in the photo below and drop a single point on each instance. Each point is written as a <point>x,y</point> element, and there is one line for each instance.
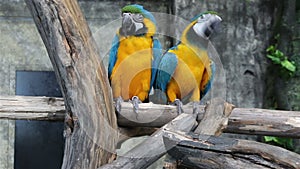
<point>269,138</point>
<point>279,54</point>
<point>270,48</point>
<point>278,57</point>
<point>284,142</point>
<point>274,59</point>
<point>288,65</point>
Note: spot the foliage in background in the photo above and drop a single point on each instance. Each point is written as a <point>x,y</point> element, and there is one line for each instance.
<point>287,67</point>
<point>286,143</point>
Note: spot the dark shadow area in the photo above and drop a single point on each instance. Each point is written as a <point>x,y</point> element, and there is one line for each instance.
<point>38,144</point>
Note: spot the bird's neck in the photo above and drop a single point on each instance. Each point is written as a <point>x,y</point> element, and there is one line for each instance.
<point>140,32</point>
<point>190,38</point>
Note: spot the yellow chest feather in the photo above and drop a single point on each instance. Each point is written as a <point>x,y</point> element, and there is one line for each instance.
<point>189,73</point>
<point>132,72</point>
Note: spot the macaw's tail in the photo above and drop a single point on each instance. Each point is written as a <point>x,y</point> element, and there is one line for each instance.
<point>158,97</point>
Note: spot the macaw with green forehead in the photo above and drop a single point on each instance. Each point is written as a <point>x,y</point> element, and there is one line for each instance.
<point>185,71</point>
<point>134,56</point>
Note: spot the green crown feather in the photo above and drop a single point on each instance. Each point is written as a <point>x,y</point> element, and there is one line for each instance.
<point>203,13</point>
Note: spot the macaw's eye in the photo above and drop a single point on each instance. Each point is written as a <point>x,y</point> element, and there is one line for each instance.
<point>138,17</point>
<point>126,13</point>
<point>203,18</point>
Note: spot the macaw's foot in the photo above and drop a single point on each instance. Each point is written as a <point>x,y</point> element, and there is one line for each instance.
<point>135,102</point>
<point>178,104</point>
<point>118,102</point>
<point>196,109</point>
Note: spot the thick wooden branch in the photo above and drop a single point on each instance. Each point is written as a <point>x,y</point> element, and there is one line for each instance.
<point>242,120</point>
<point>129,132</point>
<point>32,108</point>
<point>83,81</point>
<point>264,122</point>
<point>203,151</point>
<point>252,121</point>
<point>152,148</point>
<point>214,121</point>
<point>215,118</point>
<point>150,115</point>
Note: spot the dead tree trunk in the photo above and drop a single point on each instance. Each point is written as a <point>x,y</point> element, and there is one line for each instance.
<point>150,150</point>
<point>241,121</point>
<point>83,81</point>
<point>206,151</point>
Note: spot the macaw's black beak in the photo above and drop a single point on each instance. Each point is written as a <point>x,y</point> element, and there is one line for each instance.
<point>127,21</point>
<point>127,24</point>
<point>207,28</point>
<point>215,23</point>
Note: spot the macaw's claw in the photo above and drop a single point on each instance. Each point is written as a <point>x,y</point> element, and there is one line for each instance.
<point>196,109</point>
<point>118,102</point>
<point>135,102</point>
<point>178,104</point>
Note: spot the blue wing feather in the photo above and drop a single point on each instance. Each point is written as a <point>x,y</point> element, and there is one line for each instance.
<point>157,54</point>
<point>165,71</point>
<point>113,55</point>
<point>209,83</point>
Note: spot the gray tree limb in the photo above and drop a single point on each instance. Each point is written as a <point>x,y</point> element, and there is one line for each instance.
<point>83,81</point>
<point>241,121</point>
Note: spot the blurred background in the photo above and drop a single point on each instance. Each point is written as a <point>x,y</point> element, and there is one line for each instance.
<point>258,45</point>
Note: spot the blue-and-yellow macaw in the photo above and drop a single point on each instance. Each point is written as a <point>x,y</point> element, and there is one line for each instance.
<point>134,56</point>
<point>185,71</point>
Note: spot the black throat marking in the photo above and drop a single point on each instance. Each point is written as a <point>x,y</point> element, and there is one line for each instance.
<point>132,31</point>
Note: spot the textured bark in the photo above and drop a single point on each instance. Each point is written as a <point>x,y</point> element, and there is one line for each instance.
<point>242,120</point>
<point>152,148</point>
<point>32,108</point>
<point>203,151</point>
<point>215,118</point>
<point>83,82</point>
<point>190,151</point>
<point>150,115</point>
<point>251,120</point>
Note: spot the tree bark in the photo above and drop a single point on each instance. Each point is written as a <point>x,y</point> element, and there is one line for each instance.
<point>204,151</point>
<point>242,120</point>
<point>83,81</point>
<point>32,108</point>
<point>253,120</point>
<point>215,118</point>
<point>150,150</point>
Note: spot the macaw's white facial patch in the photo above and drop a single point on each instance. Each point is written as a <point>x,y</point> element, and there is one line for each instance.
<point>130,19</point>
<point>206,25</point>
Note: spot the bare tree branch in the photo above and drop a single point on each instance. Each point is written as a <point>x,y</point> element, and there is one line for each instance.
<point>215,118</point>
<point>144,154</point>
<point>83,81</point>
<point>241,121</point>
<point>204,151</point>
